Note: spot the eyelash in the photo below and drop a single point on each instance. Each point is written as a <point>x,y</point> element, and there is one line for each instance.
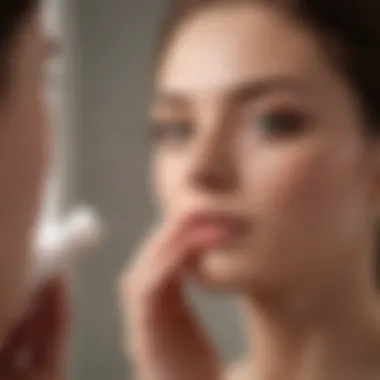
<point>287,123</point>
<point>171,131</point>
<point>293,123</point>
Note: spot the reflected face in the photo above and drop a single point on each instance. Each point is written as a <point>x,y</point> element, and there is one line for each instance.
<point>23,157</point>
<point>252,120</point>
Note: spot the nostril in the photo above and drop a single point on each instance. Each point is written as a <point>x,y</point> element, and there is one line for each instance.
<point>215,175</point>
<point>215,161</point>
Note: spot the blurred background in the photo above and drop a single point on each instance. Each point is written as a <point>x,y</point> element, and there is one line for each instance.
<point>99,88</point>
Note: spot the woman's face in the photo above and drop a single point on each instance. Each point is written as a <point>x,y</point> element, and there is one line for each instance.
<point>23,157</point>
<point>252,120</point>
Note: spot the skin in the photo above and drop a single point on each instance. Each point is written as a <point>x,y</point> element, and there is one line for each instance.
<point>34,324</point>
<point>306,184</point>
<point>23,162</point>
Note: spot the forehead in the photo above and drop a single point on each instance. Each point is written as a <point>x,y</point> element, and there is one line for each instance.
<point>221,47</point>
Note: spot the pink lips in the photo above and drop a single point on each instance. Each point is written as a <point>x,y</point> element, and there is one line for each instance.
<point>213,229</point>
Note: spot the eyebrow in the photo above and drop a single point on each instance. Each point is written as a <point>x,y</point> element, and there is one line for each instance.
<point>252,90</point>
<point>245,91</point>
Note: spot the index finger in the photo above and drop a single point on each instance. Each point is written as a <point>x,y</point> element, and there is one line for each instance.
<point>160,258</point>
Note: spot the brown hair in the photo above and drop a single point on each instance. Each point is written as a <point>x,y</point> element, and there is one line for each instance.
<point>12,14</point>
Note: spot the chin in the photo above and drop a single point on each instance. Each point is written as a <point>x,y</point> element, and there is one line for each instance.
<point>222,270</point>
<point>235,271</point>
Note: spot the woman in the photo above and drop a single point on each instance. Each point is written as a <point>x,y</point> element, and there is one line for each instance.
<point>267,171</point>
<point>33,346</point>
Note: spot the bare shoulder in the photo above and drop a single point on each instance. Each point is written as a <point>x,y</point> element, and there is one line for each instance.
<point>241,370</point>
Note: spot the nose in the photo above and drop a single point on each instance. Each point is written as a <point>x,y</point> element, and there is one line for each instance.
<point>214,166</point>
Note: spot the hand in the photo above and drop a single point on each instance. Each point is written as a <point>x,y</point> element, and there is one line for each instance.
<point>35,349</point>
<point>165,340</point>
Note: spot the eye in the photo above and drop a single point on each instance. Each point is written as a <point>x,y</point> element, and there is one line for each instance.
<point>172,132</point>
<point>282,123</point>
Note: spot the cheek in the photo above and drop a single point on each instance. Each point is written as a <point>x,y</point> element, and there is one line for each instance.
<point>310,184</point>
<point>169,174</point>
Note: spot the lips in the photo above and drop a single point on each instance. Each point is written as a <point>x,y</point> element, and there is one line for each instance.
<point>210,229</point>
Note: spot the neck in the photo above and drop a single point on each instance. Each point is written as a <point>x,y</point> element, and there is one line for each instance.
<point>337,336</point>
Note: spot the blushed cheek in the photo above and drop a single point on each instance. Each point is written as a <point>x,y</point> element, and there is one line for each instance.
<point>315,189</point>
<point>175,185</point>
<point>168,174</point>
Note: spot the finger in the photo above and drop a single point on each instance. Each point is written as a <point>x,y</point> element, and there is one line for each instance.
<point>159,260</point>
<point>152,282</point>
<point>166,235</point>
<point>162,237</point>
